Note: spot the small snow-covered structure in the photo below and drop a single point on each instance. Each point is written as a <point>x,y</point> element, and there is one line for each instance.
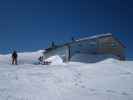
<point>102,44</point>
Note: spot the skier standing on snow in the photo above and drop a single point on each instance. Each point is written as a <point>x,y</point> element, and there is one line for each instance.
<point>40,60</point>
<point>14,57</point>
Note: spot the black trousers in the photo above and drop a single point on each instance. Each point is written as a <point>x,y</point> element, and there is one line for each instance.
<point>14,61</point>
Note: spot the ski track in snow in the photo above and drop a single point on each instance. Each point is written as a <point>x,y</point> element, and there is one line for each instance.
<point>106,80</point>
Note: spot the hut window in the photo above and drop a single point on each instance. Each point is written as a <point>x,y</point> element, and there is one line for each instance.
<point>114,45</point>
<point>79,45</point>
<point>93,44</point>
<point>77,51</point>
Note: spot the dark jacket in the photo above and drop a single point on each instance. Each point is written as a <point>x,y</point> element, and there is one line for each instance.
<point>14,55</point>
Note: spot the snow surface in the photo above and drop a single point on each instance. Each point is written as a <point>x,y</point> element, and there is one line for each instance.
<point>109,79</point>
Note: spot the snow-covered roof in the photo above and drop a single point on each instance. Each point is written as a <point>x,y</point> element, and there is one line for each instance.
<point>100,36</point>
<point>94,37</point>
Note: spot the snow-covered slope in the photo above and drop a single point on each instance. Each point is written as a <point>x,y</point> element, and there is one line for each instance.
<point>23,58</point>
<point>109,79</point>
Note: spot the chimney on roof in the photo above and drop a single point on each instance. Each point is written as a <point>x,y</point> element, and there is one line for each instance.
<point>52,44</point>
<point>72,39</point>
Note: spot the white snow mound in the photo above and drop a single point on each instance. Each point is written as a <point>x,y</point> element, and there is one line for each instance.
<point>55,60</point>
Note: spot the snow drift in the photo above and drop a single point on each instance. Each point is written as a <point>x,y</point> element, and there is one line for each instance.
<point>90,58</point>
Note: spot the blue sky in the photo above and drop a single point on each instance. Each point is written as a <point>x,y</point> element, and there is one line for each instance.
<point>29,25</point>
